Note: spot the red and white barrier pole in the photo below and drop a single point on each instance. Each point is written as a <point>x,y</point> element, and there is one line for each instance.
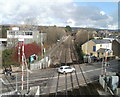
<point>22,64</point>
<point>19,52</point>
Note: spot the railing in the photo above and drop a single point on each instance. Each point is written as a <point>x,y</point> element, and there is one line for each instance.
<point>8,93</point>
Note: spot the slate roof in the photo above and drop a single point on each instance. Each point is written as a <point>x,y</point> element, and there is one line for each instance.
<point>103,50</point>
<point>118,40</point>
<point>101,41</point>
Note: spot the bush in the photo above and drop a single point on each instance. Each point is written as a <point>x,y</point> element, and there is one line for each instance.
<point>8,58</point>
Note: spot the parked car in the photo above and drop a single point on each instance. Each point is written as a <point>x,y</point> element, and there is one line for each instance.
<point>94,58</point>
<point>66,69</point>
<point>90,59</point>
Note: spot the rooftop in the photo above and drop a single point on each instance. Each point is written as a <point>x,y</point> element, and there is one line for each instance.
<point>118,40</point>
<point>101,41</point>
<point>103,50</point>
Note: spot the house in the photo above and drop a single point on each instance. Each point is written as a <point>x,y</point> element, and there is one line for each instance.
<point>102,52</point>
<point>116,47</point>
<point>97,47</point>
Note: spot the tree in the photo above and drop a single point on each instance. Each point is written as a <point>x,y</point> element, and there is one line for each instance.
<point>29,49</point>
<point>54,34</point>
<point>10,56</point>
<point>3,31</point>
<point>84,35</point>
<point>68,29</point>
<point>7,57</point>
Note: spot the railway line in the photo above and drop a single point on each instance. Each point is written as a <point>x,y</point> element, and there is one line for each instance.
<point>86,88</point>
<point>71,84</point>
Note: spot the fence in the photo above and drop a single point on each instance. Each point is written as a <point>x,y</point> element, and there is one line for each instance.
<point>43,63</point>
<point>8,93</point>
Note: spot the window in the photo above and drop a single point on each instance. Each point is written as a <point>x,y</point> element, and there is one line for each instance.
<point>61,67</point>
<point>28,33</point>
<point>94,48</point>
<point>68,68</point>
<point>98,54</point>
<point>12,33</point>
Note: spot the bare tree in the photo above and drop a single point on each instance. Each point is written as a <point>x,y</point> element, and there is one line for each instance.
<point>54,34</point>
<point>84,35</point>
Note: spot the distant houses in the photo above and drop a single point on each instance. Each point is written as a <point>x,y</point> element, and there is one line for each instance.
<point>98,47</point>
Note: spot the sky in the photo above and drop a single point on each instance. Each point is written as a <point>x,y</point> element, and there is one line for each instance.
<point>96,14</point>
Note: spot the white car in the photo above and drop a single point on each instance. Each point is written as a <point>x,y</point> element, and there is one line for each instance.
<point>66,69</point>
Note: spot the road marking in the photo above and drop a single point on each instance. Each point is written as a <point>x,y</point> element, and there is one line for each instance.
<point>92,70</point>
<point>3,81</point>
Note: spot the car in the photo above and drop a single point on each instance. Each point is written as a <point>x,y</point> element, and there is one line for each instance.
<point>94,58</point>
<point>66,69</point>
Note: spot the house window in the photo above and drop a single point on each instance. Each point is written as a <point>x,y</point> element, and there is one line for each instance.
<point>94,48</point>
<point>12,33</point>
<point>98,54</point>
<point>28,33</point>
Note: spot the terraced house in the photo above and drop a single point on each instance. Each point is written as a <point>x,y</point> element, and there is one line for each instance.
<point>98,47</point>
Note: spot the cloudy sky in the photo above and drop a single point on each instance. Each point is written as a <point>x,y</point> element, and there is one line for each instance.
<point>58,12</point>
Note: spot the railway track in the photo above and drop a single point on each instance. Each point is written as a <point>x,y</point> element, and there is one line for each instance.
<point>87,89</point>
<point>71,85</point>
<point>63,61</point>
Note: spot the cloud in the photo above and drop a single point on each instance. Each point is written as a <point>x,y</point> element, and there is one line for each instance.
<point>102,12</point>
<point>54,12</point>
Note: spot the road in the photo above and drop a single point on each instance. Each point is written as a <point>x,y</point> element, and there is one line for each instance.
<point>51,81</point>
<point>48,79</point>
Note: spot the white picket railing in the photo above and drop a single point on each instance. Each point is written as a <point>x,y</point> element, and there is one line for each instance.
<point>43,63</point>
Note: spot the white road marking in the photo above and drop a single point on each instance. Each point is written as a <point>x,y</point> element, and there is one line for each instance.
<point>3,81</point>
